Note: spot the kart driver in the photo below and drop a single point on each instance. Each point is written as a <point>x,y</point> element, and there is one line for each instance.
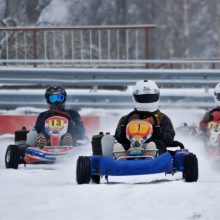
<point>146,97</point>
<point>56,98</point>
<point>213,114</point>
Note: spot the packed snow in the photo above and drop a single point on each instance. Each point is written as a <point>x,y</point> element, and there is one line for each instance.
<point>51,192</point>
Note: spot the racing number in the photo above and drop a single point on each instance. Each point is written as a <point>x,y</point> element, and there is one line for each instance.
<point>56,123</point>
<point>138,128</point>
<point>215,127</point>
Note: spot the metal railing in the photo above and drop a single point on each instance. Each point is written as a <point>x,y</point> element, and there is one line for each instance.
<point>126,46</point>
<point>75,43</point>
<point>87,99</point>
<point>95,78</point>
<point>115,63</point>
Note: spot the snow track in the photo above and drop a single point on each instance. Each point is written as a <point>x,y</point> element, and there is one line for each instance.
<point>51,192</point>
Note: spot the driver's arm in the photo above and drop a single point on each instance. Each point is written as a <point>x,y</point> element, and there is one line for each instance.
<point>120,133</point>
<point>39,125</point>
<point>77,128</point>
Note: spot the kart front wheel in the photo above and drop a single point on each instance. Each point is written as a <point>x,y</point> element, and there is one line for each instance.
<point>191,172</point>
<point>83,170</point>
<point>12,157</point>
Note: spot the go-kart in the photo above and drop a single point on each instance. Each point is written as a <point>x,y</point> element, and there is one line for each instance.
<point>21,153</point>
<point>212,138</point>
<point>110,160</point>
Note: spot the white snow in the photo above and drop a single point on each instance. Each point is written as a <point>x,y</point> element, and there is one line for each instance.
<point>51,192</point>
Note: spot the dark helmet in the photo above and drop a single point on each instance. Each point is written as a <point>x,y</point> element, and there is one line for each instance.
<point>55,95</point>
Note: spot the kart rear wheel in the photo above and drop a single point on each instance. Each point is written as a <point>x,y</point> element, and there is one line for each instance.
<point>12,157</point>
<point>96,144</point>
<point>191,172</point>
<point>95,179</point>
<point>83,170</point>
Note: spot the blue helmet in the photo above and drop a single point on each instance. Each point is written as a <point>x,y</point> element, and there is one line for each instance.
<point>55,95</point>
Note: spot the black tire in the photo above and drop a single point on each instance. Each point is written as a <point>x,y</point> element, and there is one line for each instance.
<point>191,172</point>
<point>12,157</point>
<point>83,170</point>
<point>95,179</point>
<point>96,144</point>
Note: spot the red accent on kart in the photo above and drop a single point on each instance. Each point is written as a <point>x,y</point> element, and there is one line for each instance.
<point>52,149</point>
<point>30,160</point>
<point>55,140</point>
<point>10,123</point>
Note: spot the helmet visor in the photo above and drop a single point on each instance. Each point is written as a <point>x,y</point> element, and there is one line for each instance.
<point>217,95</point>
<point>56,98</point>
<point>146,98</point>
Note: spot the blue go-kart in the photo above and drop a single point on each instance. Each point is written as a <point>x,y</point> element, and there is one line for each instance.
<point>110,159</point>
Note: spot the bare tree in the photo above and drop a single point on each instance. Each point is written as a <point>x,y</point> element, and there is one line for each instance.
<point>25,12</point>
<point>185,28</point>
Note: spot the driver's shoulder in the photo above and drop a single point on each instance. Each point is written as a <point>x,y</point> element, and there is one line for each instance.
<point>44,113</point>
<point>162,117</point>
<point>72,112</point>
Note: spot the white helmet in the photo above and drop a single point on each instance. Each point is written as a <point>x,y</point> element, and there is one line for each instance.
<point>217,94</point>
<point>146,95</point>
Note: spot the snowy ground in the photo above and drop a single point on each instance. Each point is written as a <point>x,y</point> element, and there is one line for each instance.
<point>51,192</point>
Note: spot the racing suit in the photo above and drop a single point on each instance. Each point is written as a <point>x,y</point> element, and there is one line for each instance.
<point>75,126</point>
<point>213,114</point>
<point>163,131</point>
